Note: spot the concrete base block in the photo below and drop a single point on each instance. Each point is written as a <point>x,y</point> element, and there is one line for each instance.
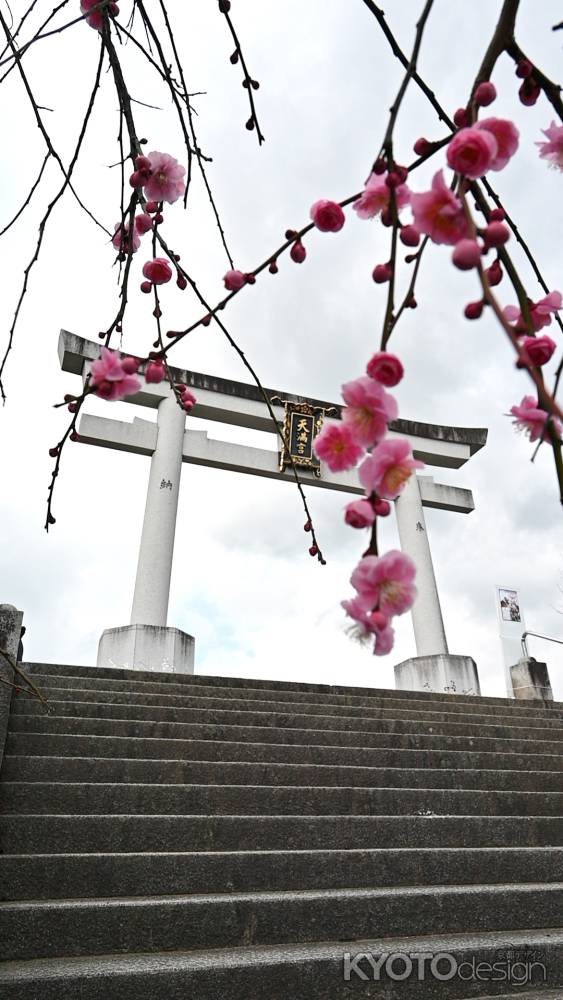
<point>443,673</point>
<point>530,680</point>
<point>10,628</point>
<point>147,647</point>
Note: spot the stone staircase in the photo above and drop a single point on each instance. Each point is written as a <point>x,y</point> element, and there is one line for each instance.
<point>207,838</point>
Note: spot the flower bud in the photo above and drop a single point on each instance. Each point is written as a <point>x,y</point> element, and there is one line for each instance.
<point>485,94</point>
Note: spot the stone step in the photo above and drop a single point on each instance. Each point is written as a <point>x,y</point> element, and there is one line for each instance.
<point>63,876</point>
<point>401,706</point>
<point>302,972</point>
<point>92,833</point>
<point>220,749</point>
<point>223,772</point>
<point>69,798</point>
<point>211,681</point>
<point>37,928</point>
<point>268,732</point>
<point>285,719</point>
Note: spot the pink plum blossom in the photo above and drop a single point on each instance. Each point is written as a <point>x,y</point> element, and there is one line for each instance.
<point>336,446</point>
<point>359,514</point>
<point>154,372</point>
<point>528,417</point>
<point>387,469</point>
<point>540,312</point>
<point>385,368</point>
<point>368,410</point>
<point>386,582</point>
<point>467,254</point>
<point>375,197</point>
<point>552,150</point>
<point>143,223</point>
<point>439,214</point>
<point>506,136</point>
<point>384,640</point>
<point>368,624</point>
<point>538,349</point>
<point>157,270</point>
<point>166,181</point>
<point>187,399</point>
<point>327,216</point>
<point>471,152</point>
<point>234,280</point>
<point>121,238</point>
<point>109,379</point>
<point>96,19</point>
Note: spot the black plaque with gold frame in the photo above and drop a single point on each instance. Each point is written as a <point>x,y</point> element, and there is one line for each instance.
<point>301,425</point>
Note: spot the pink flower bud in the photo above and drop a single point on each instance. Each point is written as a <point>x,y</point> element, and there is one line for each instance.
<point>460,118</point>
<point>142,163</point>
<point>298,252</point>
<point>497,215</point>
<point>181,282</point>
<point>473,310</point>
<point>422,147</point>
<point>273,268</point>
<point>327,216</point>
<point>130,365</point>
<point>379,166</point>
<point>188,399</point>
<point>143,223</point>
<point>146,287</point>
<point>496,234</point>
<point>494,273</point>
<point>529,92</point>
<point>381,273</point>
<point>359,514</point>
<point>234,280</point>
<point>136,179</point>
<point>154,372</point>
<point>382,508</point>
<point>379,620</point>
<point>393,179</point>
<point>410,236</point>
<point>385,368</point>
<point>307,526</point>
<point>151,206</point>
<point>538,349</point>
<point>467,254</point>
<point>524,69</point>
<point>250,278</point>
<point>313,551</point>
<point>158,271</point>
<point>53,452</point>
<point>485,94</point>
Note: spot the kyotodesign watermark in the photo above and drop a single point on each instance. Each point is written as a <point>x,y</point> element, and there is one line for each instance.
<point>442,966</point>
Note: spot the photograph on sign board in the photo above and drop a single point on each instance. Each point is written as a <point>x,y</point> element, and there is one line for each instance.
<point>509,605</point>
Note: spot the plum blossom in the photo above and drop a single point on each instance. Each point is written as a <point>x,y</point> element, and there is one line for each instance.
<point>157,270</point>
<point>234,280</point>
<point>506,136</point>
<point>368,410</point>
<point>166,181</point>
<point>439,214</point>
<point>385,582</point>
<point>540,312</point>
<point>109,377</point>
<point>528,417</point>
<point>96,19</point>
<point>388,468</point>
<point>384,640</point>
<point>471,152</point>
<point>385,368</point>
<point>538,349</point>
<point>143,223</point>
<point>359,514</point>
<point>375,197</point>
<point>327,216</point>
<point>552,150</point>
<point>369,624</point>
<point>121,238</point>
<point>336,446</point>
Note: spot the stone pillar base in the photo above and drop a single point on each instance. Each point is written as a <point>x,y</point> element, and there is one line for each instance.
<point>147,647</point>
<point>443,674</point>
<point>530,680</point>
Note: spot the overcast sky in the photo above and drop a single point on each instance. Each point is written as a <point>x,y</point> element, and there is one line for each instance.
<point>243,583</point>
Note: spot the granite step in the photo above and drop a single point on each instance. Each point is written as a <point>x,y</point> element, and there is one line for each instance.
<point>224,772</point>
<point>221,749</point>
<point>213,681</point>
<point>285,732</point>
<point>268,800</point>
<point>63,876</point>
<point>71,927</point>
<point>302,972</point>
<point>286,719</point>
<point>88,689</point>
<point>117,833</point>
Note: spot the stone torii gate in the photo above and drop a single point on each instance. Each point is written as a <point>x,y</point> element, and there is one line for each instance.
<point>148,643</point>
